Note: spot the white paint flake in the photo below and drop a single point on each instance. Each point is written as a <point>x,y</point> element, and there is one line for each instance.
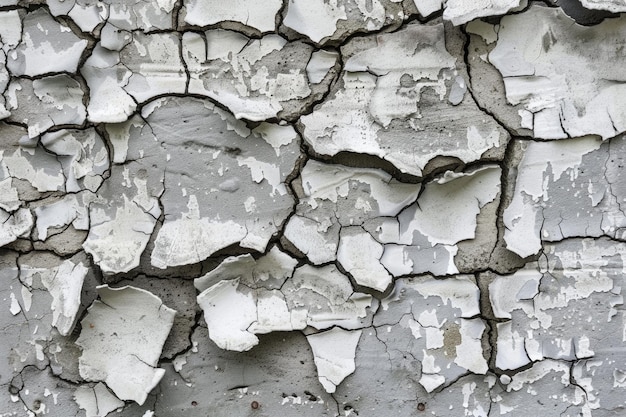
<point>334,352</point>
<point>258,15</point>
<point>315,18</point>
<point>319,65</point>
<point>460,12</point>
<point>117,242</point>
<point>267,295</point>
<point>359,254</point>
<point>121,339</point>
<point>15,225</point>
<point>97,401</point>
<point>614,6</point>
<point>542,57</point>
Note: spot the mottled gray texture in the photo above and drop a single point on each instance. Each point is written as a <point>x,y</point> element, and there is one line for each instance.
<point>312,208</point>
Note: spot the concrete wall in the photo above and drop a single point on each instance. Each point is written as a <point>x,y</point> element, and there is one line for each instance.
<point>312,208</point>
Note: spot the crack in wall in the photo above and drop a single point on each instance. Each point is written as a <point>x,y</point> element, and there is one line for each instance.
<point>252,157</point>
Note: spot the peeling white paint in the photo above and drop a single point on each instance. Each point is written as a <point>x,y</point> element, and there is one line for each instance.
<point>97,401</point>
<point>117,243</point>
<point>249,12</point>
<point>334,352</point>
<point>268,295</point>
<point>391,90</point>
<point>403,256</point>
<point>546,73</point>
<point>121,339</point>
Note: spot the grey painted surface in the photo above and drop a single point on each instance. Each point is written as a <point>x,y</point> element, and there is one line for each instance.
<point>312,208</point>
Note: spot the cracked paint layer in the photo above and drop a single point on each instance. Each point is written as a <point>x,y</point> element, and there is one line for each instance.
<point>44,296</point>
<point>242,160</point>
<point>557,89</point>
<point>97,401</point>
<point>127,15</point>
<point>395,92</point>
<point>459,12</point>
<point>272,296</point>
<point>45,102</point>
<point>147,66</point>
<point>436,319</point>
<point>260,16</point>
<point>256,79</point>
<point>576,192</point>
<point>45,47</point>
<point>572,273</point>
<point>312,208</point>
<point>377,228</point>
<point>327,21</point>
<point>64,283</point>
<point>121,339</point>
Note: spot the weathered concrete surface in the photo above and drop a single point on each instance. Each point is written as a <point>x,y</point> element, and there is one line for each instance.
<point>312,208</point>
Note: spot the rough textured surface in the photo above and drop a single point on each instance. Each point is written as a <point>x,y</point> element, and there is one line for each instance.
<point>312,208</point>
<point>397,101</point>
<point>557,88</point>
